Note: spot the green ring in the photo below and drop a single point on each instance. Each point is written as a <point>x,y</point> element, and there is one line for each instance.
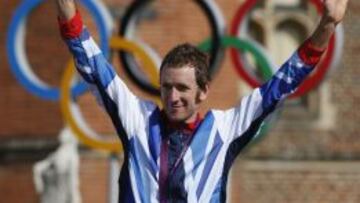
<point>242,45</point>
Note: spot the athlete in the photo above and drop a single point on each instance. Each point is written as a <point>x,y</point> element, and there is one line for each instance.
<point>173,154</point>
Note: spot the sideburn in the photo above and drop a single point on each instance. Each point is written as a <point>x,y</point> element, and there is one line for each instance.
<point>197,98</point>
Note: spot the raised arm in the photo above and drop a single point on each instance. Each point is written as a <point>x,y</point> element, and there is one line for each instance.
<point>305,59</point>
<point>127,111</point>
<point>246,118</point>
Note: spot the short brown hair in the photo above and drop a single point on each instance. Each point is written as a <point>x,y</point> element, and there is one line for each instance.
<point>188,55</point>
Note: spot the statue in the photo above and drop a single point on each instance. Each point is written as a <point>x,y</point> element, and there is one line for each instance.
<point>56,177</point>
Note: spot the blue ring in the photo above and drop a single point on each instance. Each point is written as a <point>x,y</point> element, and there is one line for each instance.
<point>48,93</point>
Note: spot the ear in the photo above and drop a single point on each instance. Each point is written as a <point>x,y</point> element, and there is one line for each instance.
<point>203,93</point>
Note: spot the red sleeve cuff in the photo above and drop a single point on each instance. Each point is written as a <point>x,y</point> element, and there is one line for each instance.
<point>72,28</point>
<point>310,54</point>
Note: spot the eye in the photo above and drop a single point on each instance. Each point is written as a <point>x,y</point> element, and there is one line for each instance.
<point>166,86</point>
<point>182,88</point>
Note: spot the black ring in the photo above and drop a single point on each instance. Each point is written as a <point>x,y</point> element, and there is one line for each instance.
<point>130,65</point>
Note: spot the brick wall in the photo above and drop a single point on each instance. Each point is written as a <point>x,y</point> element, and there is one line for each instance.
<point>17,186</point>
<point>25,117</point>
<point>296,181</point>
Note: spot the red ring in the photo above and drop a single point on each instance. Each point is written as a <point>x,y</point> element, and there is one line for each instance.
<point>311,82</point>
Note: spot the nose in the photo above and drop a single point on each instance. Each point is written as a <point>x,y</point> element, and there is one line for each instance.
<point>174,95</point>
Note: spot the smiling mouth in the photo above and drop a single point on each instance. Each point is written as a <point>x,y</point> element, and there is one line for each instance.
<point>175,109</point>
<point>176,106</point>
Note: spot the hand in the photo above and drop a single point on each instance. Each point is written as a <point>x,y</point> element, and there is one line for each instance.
<point>66,9</point>
<point>334,11</point>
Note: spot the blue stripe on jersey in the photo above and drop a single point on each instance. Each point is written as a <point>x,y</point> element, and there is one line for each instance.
<point>85,34</point>
<point>215,149</point>
<point>293,72</point>
<point>81,59</point>
<point>215,197</point>
<point>296,70</point>
<point>137,173</point>
<point>154,138</point>
<point>90,68</point>
<point>140,156</point>
<point>200,139</point>
<point>104,72</point>
<point>271,94</point>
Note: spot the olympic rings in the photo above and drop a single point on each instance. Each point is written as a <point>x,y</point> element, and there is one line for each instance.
<point>71,113</point>
<point>309,83</point>
<point>216,22</point>
<point>16,49</point>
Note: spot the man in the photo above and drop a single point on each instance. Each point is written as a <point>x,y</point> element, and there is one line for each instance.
<point>174,155</point>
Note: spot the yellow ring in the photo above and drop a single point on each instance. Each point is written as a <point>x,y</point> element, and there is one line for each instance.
<point>67,105</point>
<point>150,67</point>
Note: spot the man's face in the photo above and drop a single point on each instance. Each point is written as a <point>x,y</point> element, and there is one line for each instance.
<point>180,93</point>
